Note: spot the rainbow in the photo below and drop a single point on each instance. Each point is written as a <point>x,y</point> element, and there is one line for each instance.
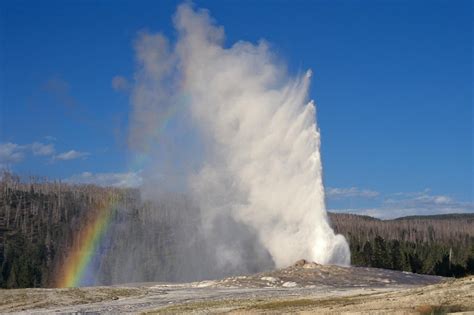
<point>86,243</point>
<point>74,270</point>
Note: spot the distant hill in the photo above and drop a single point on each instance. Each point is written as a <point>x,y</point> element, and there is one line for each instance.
<point>349,216</point>
<point>448,216</point>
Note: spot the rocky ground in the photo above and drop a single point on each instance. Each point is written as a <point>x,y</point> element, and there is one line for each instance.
<point>302,288</point>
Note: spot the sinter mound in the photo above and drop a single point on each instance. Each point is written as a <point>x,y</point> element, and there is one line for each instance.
<point>308,274</point>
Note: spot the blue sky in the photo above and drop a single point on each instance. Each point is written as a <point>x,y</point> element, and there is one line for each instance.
<point>392,82</point>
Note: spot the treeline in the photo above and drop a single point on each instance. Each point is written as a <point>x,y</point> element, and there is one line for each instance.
<point>39,222</point>
<point>438,245</point>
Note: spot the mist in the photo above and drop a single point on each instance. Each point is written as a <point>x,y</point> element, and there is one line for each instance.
<point>231,137</point>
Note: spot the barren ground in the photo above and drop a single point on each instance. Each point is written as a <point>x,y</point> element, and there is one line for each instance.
<point>303,288</point>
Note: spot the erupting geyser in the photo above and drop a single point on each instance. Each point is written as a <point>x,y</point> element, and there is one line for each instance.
<point>256,161</point>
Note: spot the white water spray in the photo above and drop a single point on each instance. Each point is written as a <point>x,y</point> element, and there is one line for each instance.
<point>259,158</point>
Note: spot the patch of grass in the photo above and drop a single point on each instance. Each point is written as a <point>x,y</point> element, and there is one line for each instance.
<point>426,309</point>
<point>303,303</point>
<point>258,305</point>
<point>276,305</point>
<point>110,293</point>
<point>20,299</point>
<point>13,298</point>
<point>193,306</point>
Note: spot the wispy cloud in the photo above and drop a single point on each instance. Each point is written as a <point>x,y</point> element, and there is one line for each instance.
<point>43,149</point>
<point>340,193</point>
<point>128,179</point>
<point>120,83</point>
<point>426,203</point>
<point>71,155</point>
<point>413,203</point>
<point>11,153</point>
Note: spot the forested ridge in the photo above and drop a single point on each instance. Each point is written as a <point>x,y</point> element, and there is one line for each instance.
<point>40,219</point>
<point>436,244</point>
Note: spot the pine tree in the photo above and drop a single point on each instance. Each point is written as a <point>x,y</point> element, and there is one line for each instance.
<point>367,254</point>
<point>416,265</point>
<point>396,258</point>
<point>380,253</point>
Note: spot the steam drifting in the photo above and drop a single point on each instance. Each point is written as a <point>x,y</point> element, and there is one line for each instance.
<point>229,128</point>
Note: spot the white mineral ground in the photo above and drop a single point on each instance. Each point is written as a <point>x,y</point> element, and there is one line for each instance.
<point>301,288</point>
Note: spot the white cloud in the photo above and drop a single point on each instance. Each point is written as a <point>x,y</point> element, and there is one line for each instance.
<point>71,155</point>
<point>414,203</point>
<point>39,148</point>
<point>339,193</point>
<point>120,83</point>
<point>11,153</point>
<point>424,203</point>
<point>128,179</point>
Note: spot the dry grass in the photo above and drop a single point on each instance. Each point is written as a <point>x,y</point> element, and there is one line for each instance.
<point>28,299</point>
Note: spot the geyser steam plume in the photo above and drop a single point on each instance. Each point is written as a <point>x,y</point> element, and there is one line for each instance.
<point>241,134</point>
